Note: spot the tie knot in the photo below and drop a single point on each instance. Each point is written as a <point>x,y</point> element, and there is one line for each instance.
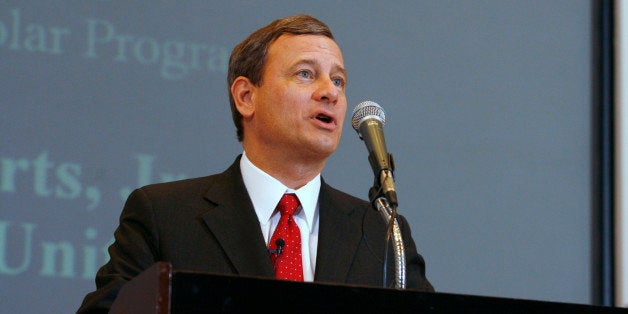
<point>288,204</point>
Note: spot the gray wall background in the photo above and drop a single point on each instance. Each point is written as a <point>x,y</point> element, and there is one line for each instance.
<point>489,120</point>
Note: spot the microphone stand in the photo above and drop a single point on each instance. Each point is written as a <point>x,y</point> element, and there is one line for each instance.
<point>389,214</point>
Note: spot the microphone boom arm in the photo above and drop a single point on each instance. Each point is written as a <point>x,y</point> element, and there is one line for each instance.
<point>389,214</point>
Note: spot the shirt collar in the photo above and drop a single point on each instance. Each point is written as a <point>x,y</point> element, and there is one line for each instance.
<point>266,191</point>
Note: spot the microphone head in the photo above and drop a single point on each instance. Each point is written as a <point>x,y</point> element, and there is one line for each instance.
<point>280,242</point>
<point>367,110</point>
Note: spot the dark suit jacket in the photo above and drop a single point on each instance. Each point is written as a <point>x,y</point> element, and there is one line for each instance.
<point>208,224</point>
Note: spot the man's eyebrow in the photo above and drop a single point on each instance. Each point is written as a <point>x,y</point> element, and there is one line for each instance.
<point>312,62</point>
<point>341,70</point>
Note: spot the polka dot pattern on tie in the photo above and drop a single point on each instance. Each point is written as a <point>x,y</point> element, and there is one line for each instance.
<point>287,259</point>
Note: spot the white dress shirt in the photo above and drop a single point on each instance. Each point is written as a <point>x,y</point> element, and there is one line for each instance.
<point>265,193</point>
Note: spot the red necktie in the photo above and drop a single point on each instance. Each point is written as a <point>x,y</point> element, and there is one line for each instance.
<point>287,258</point>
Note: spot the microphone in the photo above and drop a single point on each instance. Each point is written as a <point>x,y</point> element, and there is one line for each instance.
<point>280,243</point>
<point>368,120</point>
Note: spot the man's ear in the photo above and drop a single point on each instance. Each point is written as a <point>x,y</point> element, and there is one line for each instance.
<point>242,91</point>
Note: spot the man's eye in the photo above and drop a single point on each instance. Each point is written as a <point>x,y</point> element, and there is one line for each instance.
<point>305,74</point>
<point>339,82</point>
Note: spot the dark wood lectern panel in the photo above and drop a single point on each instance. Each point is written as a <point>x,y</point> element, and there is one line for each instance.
<point>163,290</point>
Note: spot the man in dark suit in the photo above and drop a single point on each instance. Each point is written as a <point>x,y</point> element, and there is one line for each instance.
<point>287,96</point>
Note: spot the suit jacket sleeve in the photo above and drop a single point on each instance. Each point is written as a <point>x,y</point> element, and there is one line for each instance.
<point>132,252</point>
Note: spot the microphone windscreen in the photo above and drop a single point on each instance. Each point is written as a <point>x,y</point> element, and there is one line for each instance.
<point>367,110</point>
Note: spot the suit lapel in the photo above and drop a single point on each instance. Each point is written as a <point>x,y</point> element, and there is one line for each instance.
<point>234,223</point>
<point>339,236</point>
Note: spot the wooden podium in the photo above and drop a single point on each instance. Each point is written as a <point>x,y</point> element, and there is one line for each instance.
<point>160,289</point>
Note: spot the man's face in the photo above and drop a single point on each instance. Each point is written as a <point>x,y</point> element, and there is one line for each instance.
<point>300,105</point>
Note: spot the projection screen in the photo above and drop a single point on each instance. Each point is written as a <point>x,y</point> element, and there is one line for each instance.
<point>488,107</point>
